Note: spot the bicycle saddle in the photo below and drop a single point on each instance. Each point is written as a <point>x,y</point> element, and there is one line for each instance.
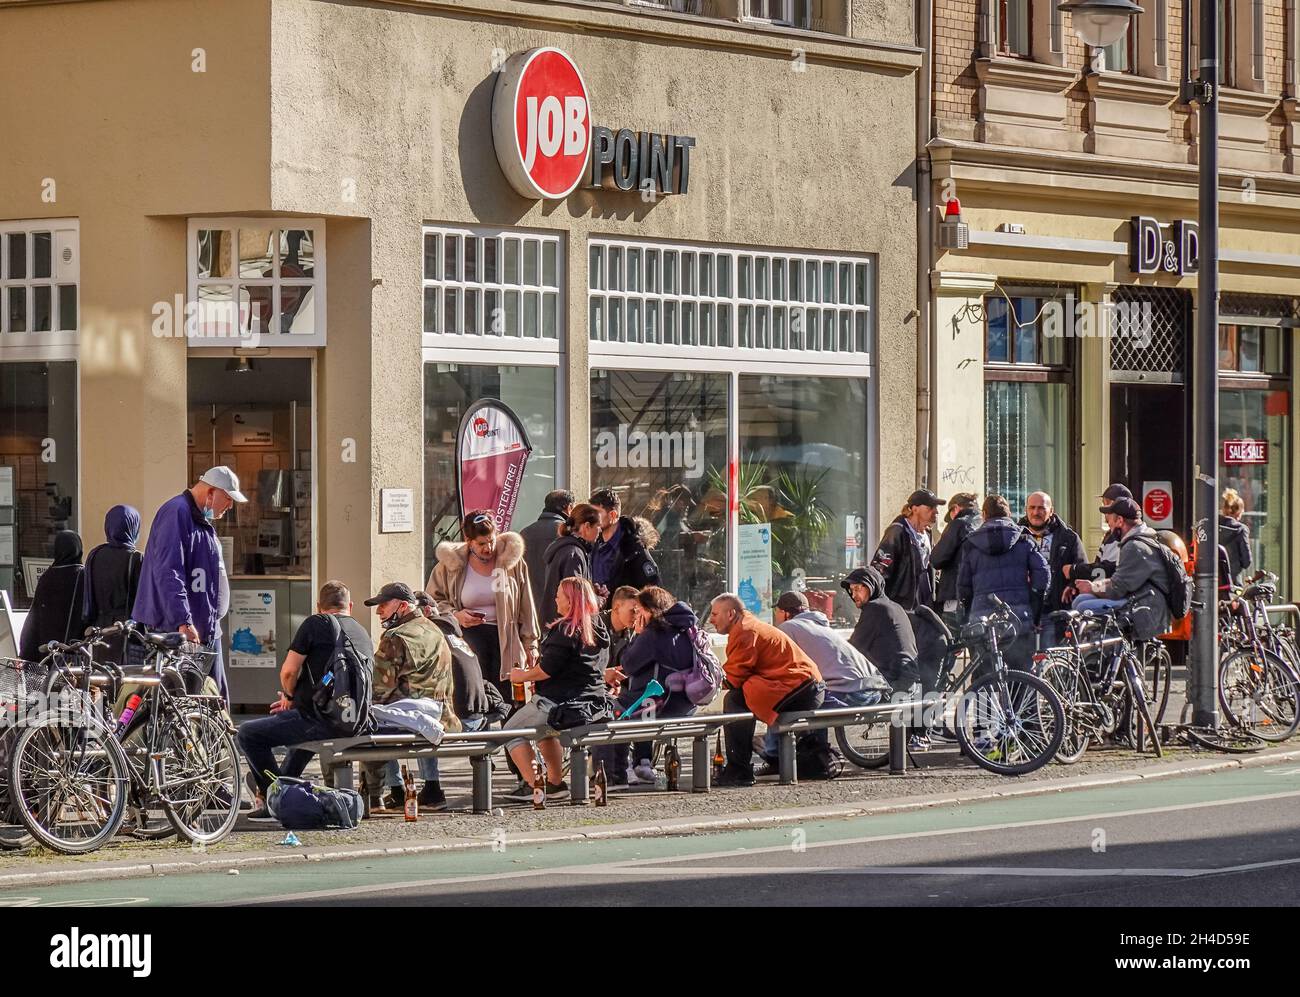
<point>167,641</point>
<point>1261,591</point>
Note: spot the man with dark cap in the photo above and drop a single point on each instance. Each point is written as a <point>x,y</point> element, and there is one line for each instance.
<point>412,661</point>
<point>1139,579</point>
<point>1108,554</point>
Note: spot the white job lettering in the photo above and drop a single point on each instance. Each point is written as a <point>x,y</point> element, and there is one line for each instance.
<point>575,125</point>
<point>551,127</point>
<point>530,142</point>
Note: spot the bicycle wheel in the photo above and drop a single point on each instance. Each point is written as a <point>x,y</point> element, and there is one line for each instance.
<point>13,834</point>
<point>145,819</point>
<point>1157,676</point>
<point>1233,740</point>
<point>1062,673</point>
<point>1140,711</point>
<point>866,745</point>
<point>199,788</point>
<point>1010,724</point>
<point>69,783</point>
<point>1260,693</point>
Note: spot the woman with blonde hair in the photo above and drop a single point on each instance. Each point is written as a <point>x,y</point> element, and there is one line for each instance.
<point>1234,535</point>
<point>572,665</point>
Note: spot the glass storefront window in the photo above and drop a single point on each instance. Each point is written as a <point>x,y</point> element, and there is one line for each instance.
<point>38,469</point>
<point>1256,414</point>
<point>450,389</point>
<point>1027,442</point>
<point>659,439</point>
<point>804,470</point>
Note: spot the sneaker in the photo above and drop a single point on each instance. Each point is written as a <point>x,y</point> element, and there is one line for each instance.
<point>942,734</point>
<point>769,768</point>
<point>735,776</point>
<point>645,772</point>
<point>253,794</point>
<point>431,797</point>
<point>524,791</point>
<point>260,813</point>
<point>918,742</point>
<point>630,778</point>
<point>396,798</point>
<point>554,790</point>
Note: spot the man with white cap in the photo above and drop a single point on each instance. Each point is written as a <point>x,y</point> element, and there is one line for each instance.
<point>183,585</point>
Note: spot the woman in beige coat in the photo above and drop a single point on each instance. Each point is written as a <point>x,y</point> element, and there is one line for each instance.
<point>483,582</point>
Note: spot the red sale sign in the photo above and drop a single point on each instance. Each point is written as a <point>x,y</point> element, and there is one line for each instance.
<point>1245,451</point>
<point>541,123</point>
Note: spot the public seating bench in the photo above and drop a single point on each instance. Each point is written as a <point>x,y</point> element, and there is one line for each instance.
<point>477,746</point>
<point>789,726</point>
<point>698,727</point>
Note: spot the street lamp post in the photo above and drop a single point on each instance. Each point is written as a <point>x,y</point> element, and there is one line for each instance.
<point>1103,22</point>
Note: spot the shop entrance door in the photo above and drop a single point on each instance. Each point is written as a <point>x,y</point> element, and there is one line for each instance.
<point>1148,434</point>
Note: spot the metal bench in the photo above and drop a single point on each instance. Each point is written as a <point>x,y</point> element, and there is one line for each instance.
<point>477,746</point>
<point>789,726</point>
<point>698,727</point>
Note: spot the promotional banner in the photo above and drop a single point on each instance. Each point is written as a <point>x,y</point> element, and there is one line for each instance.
<point>755,569</point>
<point>252,629</point>
<point>493,451</point>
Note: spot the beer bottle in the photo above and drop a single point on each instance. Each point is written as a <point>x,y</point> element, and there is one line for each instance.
<point>539,790</point>
<point>412,803</point>
<point>517,691</point>
<point>719,759</point>
<point>600,792</point>
<point>672,766</point>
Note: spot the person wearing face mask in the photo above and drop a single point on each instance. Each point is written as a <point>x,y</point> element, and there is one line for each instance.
<point>183,586</point>
<point>569,555</point>
<point>483,583</point>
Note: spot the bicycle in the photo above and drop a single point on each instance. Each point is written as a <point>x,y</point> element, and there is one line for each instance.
<point>1259,686</point>
<point>73,773</point>
<point>1007,721</point>
<point>1100,677</point>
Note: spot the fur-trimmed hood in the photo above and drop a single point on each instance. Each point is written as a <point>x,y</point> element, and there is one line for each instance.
<point>510,551</point>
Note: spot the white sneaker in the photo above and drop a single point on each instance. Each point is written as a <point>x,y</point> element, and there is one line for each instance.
<point>644,772</point>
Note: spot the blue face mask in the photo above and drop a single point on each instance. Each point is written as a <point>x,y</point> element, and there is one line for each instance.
<point>208,514</point>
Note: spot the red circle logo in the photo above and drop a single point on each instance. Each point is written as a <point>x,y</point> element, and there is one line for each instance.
<point>480,426</point>
<point>1159,504</point>
<point>541,123</point>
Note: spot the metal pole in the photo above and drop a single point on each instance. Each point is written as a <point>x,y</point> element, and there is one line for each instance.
<point>1205,368</point>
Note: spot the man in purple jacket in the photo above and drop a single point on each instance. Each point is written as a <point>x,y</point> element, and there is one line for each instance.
<point>183,585</point>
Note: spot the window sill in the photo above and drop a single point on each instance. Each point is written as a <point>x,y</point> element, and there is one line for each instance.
<point>1025,73</point>
<point>1022,103</point>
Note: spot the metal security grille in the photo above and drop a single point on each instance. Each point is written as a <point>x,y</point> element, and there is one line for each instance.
<point>1267,306</point>
<point>1148,328</point>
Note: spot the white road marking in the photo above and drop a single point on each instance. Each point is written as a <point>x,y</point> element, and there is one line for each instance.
<point>609,868</point>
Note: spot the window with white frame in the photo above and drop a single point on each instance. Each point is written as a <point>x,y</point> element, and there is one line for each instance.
<point>39,270</point>
<point>678,6</point>
<point>676,294</point>
<point>796,13</point>
<point>254,278</point>
<point>492,282</point>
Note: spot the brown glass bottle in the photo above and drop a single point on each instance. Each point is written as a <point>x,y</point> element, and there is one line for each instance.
<point>600,788</point>
<point>672,766</point>
<point>412,802</point>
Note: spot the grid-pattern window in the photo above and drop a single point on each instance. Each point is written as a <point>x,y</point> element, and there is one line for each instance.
<point>39,267</point>
<point>257,277</point>
<point>481,282</point>
<point>677,294</point>
<point>796,13</point>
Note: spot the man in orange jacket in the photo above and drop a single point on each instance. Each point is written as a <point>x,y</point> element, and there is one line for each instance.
<point>768,674</point>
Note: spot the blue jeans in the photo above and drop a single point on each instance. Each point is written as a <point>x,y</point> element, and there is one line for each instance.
<point>429,764</point>
<point>863,697</point>
<point>259,738</point>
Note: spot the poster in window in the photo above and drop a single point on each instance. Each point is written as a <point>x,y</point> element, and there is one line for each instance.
<point>252,629</point>
<point>755,569</point>
<point>251,429</point>
<point>6,486</point>
<point>33,568</point>
<point>6,545</point>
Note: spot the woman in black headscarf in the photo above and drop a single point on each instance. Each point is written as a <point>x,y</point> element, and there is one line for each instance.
<point>112,576</point>
<point>57,606</point>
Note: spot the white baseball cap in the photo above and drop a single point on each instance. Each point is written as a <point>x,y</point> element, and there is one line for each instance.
<point>227,480</point>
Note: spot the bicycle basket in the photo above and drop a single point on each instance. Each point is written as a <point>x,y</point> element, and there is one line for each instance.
<point>21,682</point>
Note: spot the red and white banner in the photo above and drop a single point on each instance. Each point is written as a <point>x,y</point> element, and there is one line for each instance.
<point>541,123</point>
<point>1245,451</point>
<point>493,451</point>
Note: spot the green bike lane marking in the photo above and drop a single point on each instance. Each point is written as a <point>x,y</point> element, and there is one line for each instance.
<point>399,871</point>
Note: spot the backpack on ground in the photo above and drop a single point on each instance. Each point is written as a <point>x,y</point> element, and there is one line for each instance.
<point>703,679</point>
<point>342,695</point>
<point>1176,585</point>
<point>300,806</point>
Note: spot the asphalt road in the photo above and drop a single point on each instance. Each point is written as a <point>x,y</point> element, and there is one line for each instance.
<point>1229,838</point>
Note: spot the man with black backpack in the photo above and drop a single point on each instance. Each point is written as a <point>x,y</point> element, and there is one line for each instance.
<point>1145,579</point>
<point>310,707</point>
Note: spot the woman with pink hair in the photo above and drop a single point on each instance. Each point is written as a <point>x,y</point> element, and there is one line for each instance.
<point>572,664</point>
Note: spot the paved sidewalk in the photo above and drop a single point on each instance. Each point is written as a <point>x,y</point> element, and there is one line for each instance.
<point>943,779</point>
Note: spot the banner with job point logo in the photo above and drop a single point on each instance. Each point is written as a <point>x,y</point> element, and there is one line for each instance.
<point>493,451</point>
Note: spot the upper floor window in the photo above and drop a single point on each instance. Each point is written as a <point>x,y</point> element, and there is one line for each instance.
<point>1011,23</point>
<point>678,6</point>
<point>1120,56</point>
<point>256,277</point>
<point>39,270</point>
<point>796,13</point>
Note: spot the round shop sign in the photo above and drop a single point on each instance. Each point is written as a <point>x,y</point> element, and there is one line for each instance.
<point>1159,506</point>
<point>541,123</point>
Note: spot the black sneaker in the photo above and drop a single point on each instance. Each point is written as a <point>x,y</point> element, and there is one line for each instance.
<point>555,790</point>
<point>396,798</point>
<point>769,768</point>
<point>524,791</point>
<point>431,797</point>
<point>735,776</point>
<point>260,814</point>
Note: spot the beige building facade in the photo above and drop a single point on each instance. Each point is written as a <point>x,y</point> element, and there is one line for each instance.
<point>276,234</point>
<point>1063,327</point>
